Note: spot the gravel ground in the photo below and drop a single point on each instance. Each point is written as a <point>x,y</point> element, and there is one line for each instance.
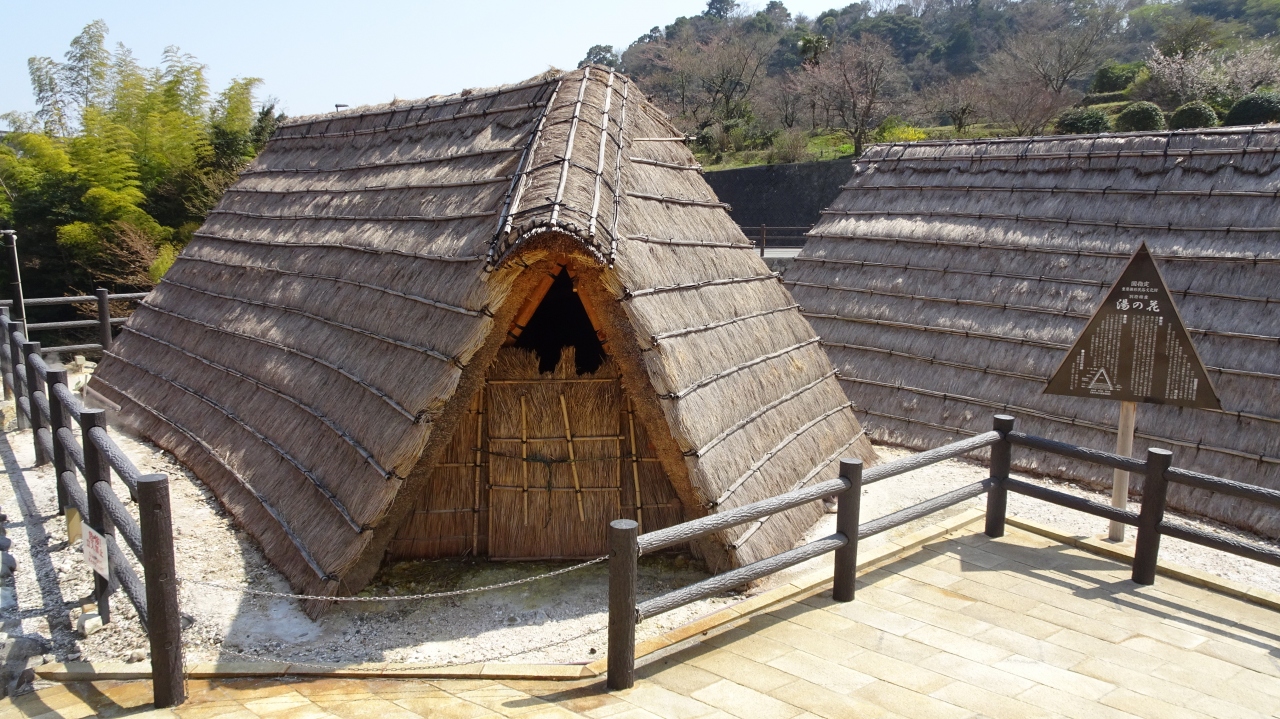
<point>554,620</point>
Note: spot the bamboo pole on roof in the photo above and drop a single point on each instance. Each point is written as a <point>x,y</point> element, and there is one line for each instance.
<point>573,461</point>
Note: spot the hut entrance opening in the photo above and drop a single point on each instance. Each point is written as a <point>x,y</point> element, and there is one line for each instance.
<point>550,451</point>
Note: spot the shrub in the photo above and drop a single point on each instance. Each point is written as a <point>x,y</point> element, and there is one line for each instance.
<point>1113,76</point>
<point>1193,115</point>
<point>1082,121</point>
<point>790,146</point>
<point>1101,98</point>
<point>1140,117</point>
<point>1255,108</point>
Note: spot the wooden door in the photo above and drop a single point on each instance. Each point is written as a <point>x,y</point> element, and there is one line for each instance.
<point>555,448</point>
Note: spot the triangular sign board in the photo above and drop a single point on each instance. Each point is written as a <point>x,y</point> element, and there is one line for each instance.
<point>1135,347</point>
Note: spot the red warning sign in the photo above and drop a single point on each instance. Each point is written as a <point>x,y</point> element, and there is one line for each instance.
<point>1135,347</point>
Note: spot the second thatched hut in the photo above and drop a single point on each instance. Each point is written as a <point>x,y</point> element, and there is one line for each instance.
<point>949,279</point>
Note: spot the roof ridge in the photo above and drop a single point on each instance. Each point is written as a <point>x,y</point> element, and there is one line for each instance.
<point>466,95</point>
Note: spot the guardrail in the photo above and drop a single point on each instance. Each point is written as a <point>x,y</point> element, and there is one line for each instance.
<point>776,236</point>
<point>46,405</point>
<point>102,298</point>
<point>626,546</point>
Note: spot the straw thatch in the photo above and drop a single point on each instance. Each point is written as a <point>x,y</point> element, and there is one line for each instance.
<point>949,279</point>
<point>314,351</point>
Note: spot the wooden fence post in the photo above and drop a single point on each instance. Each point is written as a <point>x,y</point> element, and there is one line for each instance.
<point>6,365</point>
<point>624,554</point>
<point>19,386</point>
<point>763,238</point>
<point>96,469</point>
<point>164,623</point>
<point>104,319</point>
<point>34,385</point>
<point>1154,488</point>
<point>1001,460</point>
<point>15,283</point>
<point>848,504</point>
<point>57,421</point>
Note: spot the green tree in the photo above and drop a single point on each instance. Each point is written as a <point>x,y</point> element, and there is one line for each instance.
<point>119,163</point>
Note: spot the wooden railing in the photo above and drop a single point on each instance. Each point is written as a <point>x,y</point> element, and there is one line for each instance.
<point>46,405</point>
<point>626,545</point>
<point>102,298</point>
<point>763,236</point>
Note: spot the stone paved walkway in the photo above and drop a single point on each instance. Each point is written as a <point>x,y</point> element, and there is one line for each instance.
<point>967,627</point>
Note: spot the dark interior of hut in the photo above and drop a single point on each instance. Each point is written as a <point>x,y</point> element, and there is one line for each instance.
<point>559,322</point>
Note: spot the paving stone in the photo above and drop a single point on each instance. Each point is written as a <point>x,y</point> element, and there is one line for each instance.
<point>664,702</point>
<point>809,640</point>
<point>1051,676</point>
<point>905,674</point>
<point>887,644</point>
<point>1031,647</point>
<point>836,677</point>
<point>1137,681</point>
<point>749,645</point>
<point>904,701</point>
<point>1070,705</point>
<point>881,619</point>
<point>1084,625</point>
<point>746,672</point>
<point>1148,707</point>
<point>930,594</point>
<point>989,595</point>
<point>988,703</point>
<point>943,618</point>
<point>744,702</point>
<point>823,702</point>
<point>957,644</point>
<point>977,674</point>
<point>678,676</point>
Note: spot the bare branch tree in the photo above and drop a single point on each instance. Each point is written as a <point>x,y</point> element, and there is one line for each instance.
<point>960,99</point>
<point>1059,50</point>
<point>859,82</point>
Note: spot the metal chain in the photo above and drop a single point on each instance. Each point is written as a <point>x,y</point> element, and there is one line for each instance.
<point>425,667</point>
<point>405,598</point>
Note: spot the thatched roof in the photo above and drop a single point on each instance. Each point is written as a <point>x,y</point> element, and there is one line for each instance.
<point>310,351</point>
<point>950,278</point>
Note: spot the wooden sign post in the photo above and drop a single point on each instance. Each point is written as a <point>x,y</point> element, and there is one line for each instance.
<point>1135,349</point>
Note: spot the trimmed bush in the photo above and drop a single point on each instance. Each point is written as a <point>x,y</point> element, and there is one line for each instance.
<point>1102,98</point>
<point>1255,108</point>
<point>1140,117</point>
<point>1114,77</point>
<point>1193,115</point>
<point>1082,121</point>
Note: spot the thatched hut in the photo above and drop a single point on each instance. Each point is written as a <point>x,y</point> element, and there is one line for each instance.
<point>483,324</point>
<point>950,278</point>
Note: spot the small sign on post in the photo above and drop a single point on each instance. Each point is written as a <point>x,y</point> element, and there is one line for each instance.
<point>94,547</point>
<point>1135,349</point>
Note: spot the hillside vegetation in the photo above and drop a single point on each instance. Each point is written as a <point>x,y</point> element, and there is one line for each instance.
<point>764,85</point>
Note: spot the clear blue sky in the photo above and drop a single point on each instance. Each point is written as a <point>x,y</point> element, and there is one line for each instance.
<point>316,53</point>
